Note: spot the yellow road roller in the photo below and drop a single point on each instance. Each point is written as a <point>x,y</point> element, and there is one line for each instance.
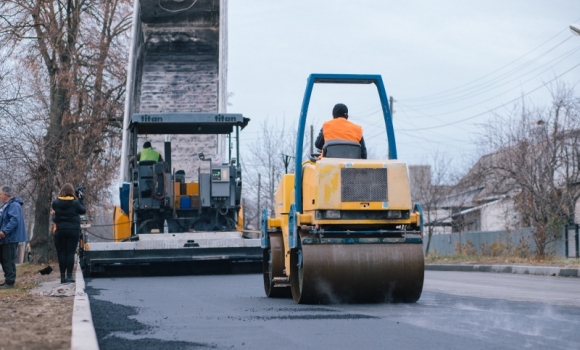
<point>344,229</point>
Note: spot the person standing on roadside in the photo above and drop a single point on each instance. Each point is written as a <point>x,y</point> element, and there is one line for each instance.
<point>12,232</point>
<point>67,210</point>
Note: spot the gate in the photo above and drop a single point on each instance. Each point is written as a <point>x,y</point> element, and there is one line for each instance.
<point>571,241</point>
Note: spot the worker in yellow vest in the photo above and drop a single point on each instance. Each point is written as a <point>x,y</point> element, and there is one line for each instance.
<point>339,128</point>
<point>149,153</point>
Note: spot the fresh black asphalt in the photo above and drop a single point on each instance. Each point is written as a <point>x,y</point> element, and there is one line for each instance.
<point>231,312</point>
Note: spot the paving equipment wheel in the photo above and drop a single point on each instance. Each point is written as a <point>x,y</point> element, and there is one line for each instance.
<point>273,266</point>
<point>357,273</point>
<point>86,271</point>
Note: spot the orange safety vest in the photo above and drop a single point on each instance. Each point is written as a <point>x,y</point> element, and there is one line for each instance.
<point>341,129</point>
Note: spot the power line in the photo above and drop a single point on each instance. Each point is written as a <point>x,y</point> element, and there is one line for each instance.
<point>410,120</point>
<point>493,109</point>
<point>492,85</point>
<point>494,97</point>
<point>417,108</point>
<point>443,93</point>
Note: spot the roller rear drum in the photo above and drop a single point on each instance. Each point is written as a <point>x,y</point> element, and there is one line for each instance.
<point>357,273</point>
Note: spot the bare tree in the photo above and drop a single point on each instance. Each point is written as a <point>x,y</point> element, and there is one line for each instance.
<point>73,57</point>
<point>535,154</point>
<point>430,188</point>
<point>263,168</point>
<point>12,100</point>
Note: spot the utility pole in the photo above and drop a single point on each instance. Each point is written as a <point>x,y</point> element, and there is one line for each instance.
<point>259,195</point>
<point>286,159</point>
<point>244,215</point>
<point>391,102</point>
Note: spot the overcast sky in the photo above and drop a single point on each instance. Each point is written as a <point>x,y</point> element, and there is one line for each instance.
<point>448,64</point>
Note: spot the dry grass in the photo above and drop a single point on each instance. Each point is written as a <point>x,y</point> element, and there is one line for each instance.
<point>26,280</point>
<point>31,321</point>
<point>487,260</point>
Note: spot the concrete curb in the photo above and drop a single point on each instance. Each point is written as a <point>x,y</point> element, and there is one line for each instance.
<point>524,270</point>
<point>83,330</point>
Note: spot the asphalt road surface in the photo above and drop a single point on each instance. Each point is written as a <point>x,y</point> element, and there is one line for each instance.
<point>458,310</point>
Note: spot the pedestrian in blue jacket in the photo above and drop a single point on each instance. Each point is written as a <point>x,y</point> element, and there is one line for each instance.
<point>12,232</point>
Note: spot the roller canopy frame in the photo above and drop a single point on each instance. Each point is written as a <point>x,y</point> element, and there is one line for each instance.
<point>292,227</point>
<point>419,210</point>
<point>265,237</point>
<point>323,78</point>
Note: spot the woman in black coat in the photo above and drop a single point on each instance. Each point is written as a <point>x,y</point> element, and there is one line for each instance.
<point>67,210</point>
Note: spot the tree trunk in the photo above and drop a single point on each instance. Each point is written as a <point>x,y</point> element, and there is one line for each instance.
<point>42,244</point>
<point>42,247</point>
<point>540,240</point>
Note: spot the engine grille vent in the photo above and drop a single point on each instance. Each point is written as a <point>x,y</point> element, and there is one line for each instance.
<point>364,185</point>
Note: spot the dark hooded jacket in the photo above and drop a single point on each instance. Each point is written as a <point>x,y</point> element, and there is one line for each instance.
<point>66,213</point>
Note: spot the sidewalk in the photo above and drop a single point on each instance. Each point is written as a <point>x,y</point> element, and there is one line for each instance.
<point>519,269</point>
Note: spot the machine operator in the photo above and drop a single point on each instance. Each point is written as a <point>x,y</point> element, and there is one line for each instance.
<point>339,128</point>
<point>149,153</point>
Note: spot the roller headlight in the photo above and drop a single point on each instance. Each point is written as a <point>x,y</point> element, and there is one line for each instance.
<point>394,214</point>
<point>332,214</point>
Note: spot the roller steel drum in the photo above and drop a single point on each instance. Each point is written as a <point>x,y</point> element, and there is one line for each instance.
<point>273,266</point>
<point>358,273</point>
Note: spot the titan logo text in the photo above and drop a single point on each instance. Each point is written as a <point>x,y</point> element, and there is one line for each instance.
<point>150,119</point>
<point>223,118</point>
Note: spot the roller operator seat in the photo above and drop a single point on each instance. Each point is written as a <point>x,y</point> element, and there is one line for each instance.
<point>146,162</point>
<point>146,177</point>
<point>341,149</point>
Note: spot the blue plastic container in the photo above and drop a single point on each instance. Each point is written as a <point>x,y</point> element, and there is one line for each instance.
<point>124,197</point>
<point>185,202</point>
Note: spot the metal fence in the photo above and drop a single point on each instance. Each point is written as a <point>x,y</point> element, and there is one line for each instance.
<point>518,241</point>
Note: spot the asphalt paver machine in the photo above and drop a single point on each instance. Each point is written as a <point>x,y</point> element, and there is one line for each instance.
<point>163,216</point>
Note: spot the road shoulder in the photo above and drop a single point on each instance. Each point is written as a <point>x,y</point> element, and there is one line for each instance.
<point>83,330</point>
<point>516,269</point>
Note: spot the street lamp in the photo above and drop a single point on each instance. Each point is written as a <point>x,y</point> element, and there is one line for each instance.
<point>575,29</point>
